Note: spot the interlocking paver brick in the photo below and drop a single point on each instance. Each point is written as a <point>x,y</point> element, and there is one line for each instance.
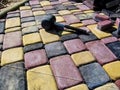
<point>13,29</point>
<point>75,11</point>
<point>117,21</point>
<point>12,39</point>
<point>62,1</point>
<point>34,2</point>
<point>12,77</point>
<point>59,19</point>
<point>39,19</point>
<point>51,11</point>
<point>78,87</point>
<point>41,78</point>
<point>68,37</point>
<point>27,19</point>
<point>94,75</point>
<point>36,6</point>
<point>27,24</point>
<point>71,7</point>
<point>48,7</point>
<point>115,48</point>
<point>12,12</point>
<point>108,86</point>
<point>88,11</point>
<point>63,67</point>
<point>88,22</point>
<point>2,26</point>
<point>45,3</point>
<point>32,47</point>
<point>109,40</point>
<point>64,12</point>
<point>76,25</point>
<point>36,13</point>
<point>76,47</point>
<point>13,15</point>
<point>101,52</point>
<point>26,13</point>
<point>82,58</point>
<point>82,16</point>
<point>48,37</point>
<point>117,82</point>
<point>64,32</point>
<point>55,49</point>
<point>31,39</point>
<point>25,8</point>
<point>59,7</point>
<point>9,22</point>
<point>100,34</point>
<point>71,19</point>
<point>12,55</point>
<point>1,38</point>
<point>112,69</point>
<point>35,58</point>
<point>30,29</point>
<point>90,15</point>
<point>37,9</point>
<point>83,7</point>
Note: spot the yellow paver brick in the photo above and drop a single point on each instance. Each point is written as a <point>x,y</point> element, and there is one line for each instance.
<point>109,86</point>
<point>82,58</point>
<point>45,3</point>
<point>113,69</point>
<point>25,8</point>
<point>100,34</point>
<point>64,12</point>
<point>12,55</point>
<point>13,29</point>
<point>59,19</point>
<point>88,11</point>
<point>79,87</point>
<point>48,37</point>
<point>36,13</point>
<point>12,22</point>
<point>31,38</point>
<point>73,11</point>
<point>77,25</point>
<point>41,78</point>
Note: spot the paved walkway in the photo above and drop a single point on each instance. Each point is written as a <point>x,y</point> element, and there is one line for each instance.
<point>33,59</point>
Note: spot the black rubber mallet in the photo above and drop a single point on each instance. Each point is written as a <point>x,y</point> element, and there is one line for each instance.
<point>49,22</point>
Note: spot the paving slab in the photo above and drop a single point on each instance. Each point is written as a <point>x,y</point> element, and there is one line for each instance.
<point>41,78</point>
<point>115,48</point>
<point>94,75</point>
<point>45,3</point>
<point>27,19</point>
<point>83,7</point>
<point>25,8</point>
<point>37,13</point>
<point>14,29</point>
<point>12,77</point>
<point>13,15</point>
<point>26,13</point>
<point>65,69</point>
<point>117,82</point>
<point>27,24</point>
<point>59,7</point>
<point>48,7</point>
<point>71,7</point>
<point>112,69</point>
<point>88,22</point>
<point>64,12</point>
<point>13,39</point>
<point>11,56</point>
<point>55,49</point>
<point>35,2</point>
<point>51,11</point>
<point>1,38</point>
<point>101,52</point>
<point>82,58</point>
<point>82,16</point>
<point>59,19</point>
<point>76,47</point>
<point>38,19</point>
<point>109,40</point>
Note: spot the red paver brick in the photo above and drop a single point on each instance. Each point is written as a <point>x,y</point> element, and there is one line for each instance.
<point>74,45</point>
<point>101,52</point>
<point>83,7</point>
<point>35,58</point>
<point>109,40</point>
<point>12,39</point>
<point>71,19</point>
<point>118,83</point>
<point>99,17</point>
<point>67,72</point>
<point>26,13</point>
<point>89,21</point>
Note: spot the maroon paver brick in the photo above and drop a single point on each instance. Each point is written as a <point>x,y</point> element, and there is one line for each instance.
<point>35,58</point>
<point>1,38</point>
<point>12,39</point>
<point>99,17</point>
<point>109,40</point>
<point>71,19</point>
<point>101,52</point>
<point>34,2</point>
<point>89,21</point>
<point>26,13</point>
<point>83,7</point>
<point>118,83</point>
<point>104,25</point>
<point>117,22</point>
<point>74,45</point>
<point>65,71</point>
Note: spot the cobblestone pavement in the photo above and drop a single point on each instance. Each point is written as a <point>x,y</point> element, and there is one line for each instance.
<point>33,59</point>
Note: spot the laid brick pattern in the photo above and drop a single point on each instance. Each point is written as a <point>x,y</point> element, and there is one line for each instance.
<point>34,59</point>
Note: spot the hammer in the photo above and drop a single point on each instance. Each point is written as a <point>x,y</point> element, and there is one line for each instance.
<point>49,22</point>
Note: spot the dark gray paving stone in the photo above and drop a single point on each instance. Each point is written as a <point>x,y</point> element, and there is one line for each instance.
<point>71,7</point>
<point>2,26</point>
<point>87,38</point>
<point>94,75</point>
<point>33,47</point>
<point>51,11</point>
<point>12,77</point>
<point>60,7</point>
<point>27,19</point>
<point>13,15</point>
<point>55,49</point>
<point>115,48</point>
<point>39,19</point>
<point>68,37</point>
